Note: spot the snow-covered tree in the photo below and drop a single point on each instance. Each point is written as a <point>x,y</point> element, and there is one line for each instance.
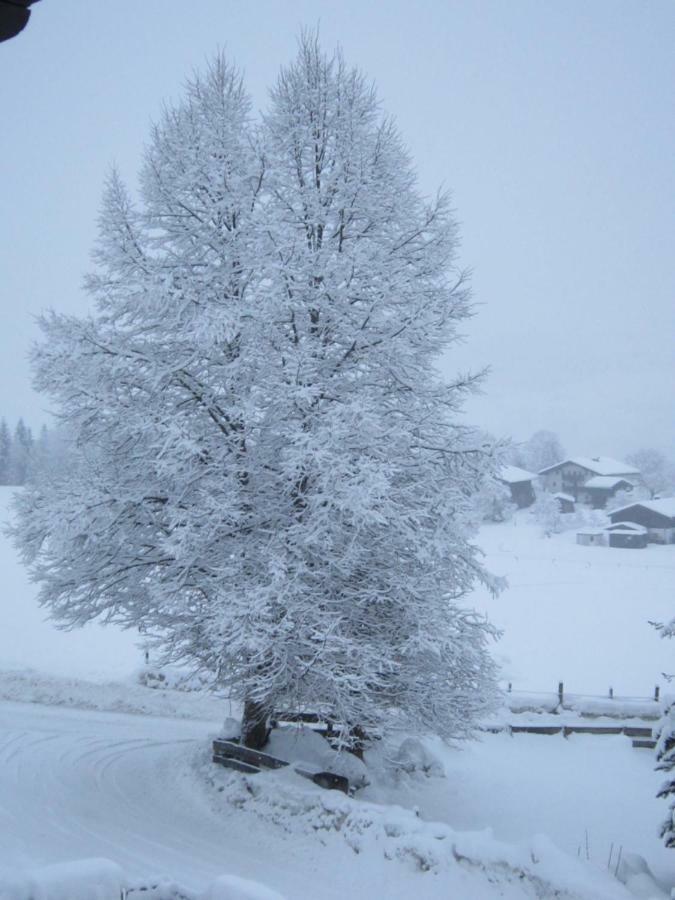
<point>626,497</point>
<point>665,752</point>
<point>270,477</point>
<point>493,501</point>
<point>543,449</point>
<point>20,454</point>
<point>665,756</point>
<point>657,473</point>
<point>546,511</point>
<point>5,452</point>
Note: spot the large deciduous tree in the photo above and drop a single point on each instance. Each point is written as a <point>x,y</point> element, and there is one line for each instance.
<point>541,450</point>
<point>270,477</point>
<point>657,473</point>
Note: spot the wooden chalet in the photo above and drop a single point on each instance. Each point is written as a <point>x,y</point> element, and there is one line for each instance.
<point>572,475</point>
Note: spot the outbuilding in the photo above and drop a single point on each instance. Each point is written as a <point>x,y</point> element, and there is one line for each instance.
<point>565,502</point>
<point>627,535</point>
<point>520,484</point>
<point>592,537</point>
<point>657,516</point>
<point>601,488</point>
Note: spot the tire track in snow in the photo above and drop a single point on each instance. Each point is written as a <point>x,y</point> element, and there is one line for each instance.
<point>112,785</point>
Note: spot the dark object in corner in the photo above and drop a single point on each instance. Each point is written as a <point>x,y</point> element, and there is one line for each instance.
<point>14,16</point>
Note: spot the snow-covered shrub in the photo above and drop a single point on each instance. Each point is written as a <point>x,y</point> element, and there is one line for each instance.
<point>171,678</point>
<point>546,511</point>
<point>414,756</point>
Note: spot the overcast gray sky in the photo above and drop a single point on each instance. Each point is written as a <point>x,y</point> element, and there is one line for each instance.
<point>552,123</point>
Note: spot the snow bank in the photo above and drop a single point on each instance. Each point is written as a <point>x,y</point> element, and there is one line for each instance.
<point>225,887</point>
<point>633,871</point>
<point>101,879</point>
<point>229,887</point>
<point>398,835</point>
<point>127,697</point>
<point>89,879</point>
<point>617,708</point>
<point>519,702</point>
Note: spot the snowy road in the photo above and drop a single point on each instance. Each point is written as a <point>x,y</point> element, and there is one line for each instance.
<point>78,784</point>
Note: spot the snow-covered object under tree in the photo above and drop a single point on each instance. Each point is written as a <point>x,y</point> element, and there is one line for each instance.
<point>271,480</point>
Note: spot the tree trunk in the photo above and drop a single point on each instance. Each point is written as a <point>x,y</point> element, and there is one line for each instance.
<point>359,741</point>
<point>255,725</point>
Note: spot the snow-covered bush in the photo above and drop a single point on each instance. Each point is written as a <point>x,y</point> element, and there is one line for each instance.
<point>546,511</point>
<point>413,756</point>
<point>171,678</point>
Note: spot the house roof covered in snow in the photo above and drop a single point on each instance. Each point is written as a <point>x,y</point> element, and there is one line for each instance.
<point>561,496</point>
<point>665,507</point>
<point>626,528</point>
<point>513,474</point>
<point>606,482</point>
<point>599,465</point>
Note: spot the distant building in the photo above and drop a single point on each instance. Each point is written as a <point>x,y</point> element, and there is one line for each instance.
<point>601,488</point>
<point>571,475</point>
<point>627,535</point>
<point>565,502</point>
<point>520,483</point>
<point>592,537</point>
<point>657,516</point>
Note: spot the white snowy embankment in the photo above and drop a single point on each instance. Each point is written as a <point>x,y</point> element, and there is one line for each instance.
<point>102,879</point>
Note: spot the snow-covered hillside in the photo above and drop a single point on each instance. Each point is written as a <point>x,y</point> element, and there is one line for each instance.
<point>125,773</point>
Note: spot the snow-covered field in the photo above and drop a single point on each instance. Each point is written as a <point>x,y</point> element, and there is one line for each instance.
<point>578,614</point>
<point>104,767</point>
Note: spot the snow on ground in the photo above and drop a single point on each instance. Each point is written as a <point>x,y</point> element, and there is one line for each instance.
<point>578,614</point>
<point>140,790</point>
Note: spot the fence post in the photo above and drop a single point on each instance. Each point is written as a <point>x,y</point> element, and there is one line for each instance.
<point>611,693</point>
<point>560,693</point>
<point>657,691</point>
